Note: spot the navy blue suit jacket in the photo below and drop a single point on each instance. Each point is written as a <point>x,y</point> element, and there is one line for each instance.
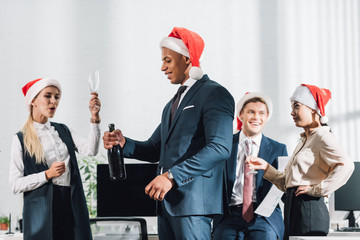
<point>194,147</point>
<point>269,150</point>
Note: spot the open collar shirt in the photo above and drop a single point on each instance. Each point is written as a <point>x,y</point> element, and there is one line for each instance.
<point>319,161</point>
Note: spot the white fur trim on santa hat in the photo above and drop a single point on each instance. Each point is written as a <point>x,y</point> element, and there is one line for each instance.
<point>251,95</point>
<point>176,45</point>
<point>34,90</point>
<point>324,120</point>
<point>303,95</point>
<point>196,73</point>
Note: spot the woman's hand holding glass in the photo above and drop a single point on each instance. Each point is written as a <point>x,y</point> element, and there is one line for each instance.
<point>94,82</point>
<point>256,163</point>
<point>248,148</point>
<point>94,105</point>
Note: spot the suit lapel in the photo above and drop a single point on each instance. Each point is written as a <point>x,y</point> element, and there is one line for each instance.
<point>264,153</point>
<point>166,120</point>
<point>231,166</point>
<point>189,95</point>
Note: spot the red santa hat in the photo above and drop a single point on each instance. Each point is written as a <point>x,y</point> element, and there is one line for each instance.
<point>245,98</point>
<point>314,97</point>
<point>189,44</point>
<point>32,89</point>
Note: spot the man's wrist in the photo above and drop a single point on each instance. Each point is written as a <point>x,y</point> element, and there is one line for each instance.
<point>170,176</point>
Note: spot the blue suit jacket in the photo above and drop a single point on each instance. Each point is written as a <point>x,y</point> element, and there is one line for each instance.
<point>269,151</point>
<point>195,147</point>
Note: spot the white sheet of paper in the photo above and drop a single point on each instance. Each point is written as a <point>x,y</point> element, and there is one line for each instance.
<point>273,197</point>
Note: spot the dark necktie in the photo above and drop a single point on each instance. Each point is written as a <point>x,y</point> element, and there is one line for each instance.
<point>175,102</point>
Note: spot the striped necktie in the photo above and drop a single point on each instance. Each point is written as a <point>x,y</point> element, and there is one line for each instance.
<point>248,189</point>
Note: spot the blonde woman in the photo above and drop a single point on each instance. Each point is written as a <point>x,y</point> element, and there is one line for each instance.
<point>317,167</point>
<point>44,167</point>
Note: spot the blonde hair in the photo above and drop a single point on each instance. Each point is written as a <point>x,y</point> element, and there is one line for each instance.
<point>32,142</point>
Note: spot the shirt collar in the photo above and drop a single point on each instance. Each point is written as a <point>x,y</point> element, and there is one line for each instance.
<point>321,128</point>
<point>242,137</point>
<point>256,139</point>
<point>40,126</point>
<point>189,82</point>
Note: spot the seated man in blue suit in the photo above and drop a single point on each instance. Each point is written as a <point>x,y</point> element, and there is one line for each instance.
<point>191,144</point>
<point>246,190</point>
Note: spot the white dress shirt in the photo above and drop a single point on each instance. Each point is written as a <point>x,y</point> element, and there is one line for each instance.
<point>55,150</point>
<point>237,191</point>
<point>189,83</point>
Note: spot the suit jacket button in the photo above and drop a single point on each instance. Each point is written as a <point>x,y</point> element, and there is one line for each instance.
<point>166,146</point>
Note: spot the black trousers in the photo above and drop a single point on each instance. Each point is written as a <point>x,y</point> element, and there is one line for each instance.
<point>305,215</point>
<point>63,218</point>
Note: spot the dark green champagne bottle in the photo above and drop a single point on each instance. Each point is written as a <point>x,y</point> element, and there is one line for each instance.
<point>116,160</point>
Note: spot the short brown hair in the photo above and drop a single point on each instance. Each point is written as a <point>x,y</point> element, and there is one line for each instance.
<point>254,100</point>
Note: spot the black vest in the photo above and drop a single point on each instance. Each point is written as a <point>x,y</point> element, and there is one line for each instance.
<point>37,210</point>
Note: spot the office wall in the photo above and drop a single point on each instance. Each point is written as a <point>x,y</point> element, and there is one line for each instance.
<point>251,45</point>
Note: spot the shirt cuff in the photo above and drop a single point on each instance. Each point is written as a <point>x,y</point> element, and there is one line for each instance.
<point>95,125</point>
<point>315,190</point>
<point>42,177</point>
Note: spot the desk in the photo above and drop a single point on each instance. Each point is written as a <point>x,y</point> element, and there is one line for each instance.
<point>16,236</point>
<point>19,236</point>
<point>326,238</point>
<point>332,236</point>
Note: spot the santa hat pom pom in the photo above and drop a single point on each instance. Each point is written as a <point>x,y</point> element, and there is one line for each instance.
<point>196,73</point>
<point>324,120</point>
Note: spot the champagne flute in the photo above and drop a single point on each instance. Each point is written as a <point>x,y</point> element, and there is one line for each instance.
<point>248,147</point>
<point>94,81</point>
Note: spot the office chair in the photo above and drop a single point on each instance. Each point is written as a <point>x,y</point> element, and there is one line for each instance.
<point>118,228</point>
